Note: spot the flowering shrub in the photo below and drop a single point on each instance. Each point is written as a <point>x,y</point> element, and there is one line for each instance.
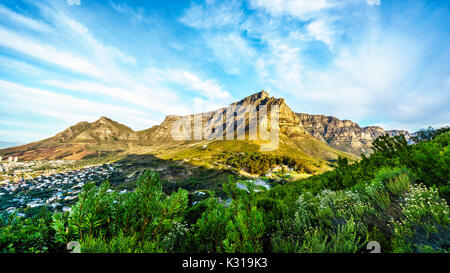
<point>424,214</point>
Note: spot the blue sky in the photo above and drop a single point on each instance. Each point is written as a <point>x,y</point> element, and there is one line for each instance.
<point>376,62</point>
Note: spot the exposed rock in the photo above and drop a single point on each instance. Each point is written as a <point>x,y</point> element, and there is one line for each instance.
<point>344,134</point>
<point>288,121</point>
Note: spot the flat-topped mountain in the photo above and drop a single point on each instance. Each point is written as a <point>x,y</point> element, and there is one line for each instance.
<point>293,138</point>
<point>309,136</point>
<point>288,121</point>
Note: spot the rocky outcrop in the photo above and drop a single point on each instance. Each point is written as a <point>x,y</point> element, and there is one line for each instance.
<point>344,135</point>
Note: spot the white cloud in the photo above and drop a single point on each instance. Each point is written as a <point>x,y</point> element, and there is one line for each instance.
<point>19,67</point>
<point>133,97</point>
<point>301,9</point>
<point>231,50</point>
<point>281,64</point>
<point>118,81</point>
<point>86,38</point>
<point>207,88</point>
<point>377,79</point>
<point>136,15</point>
<point>110,78</point>
<point>68,108</point>
<point>48,53</point>
<point>22,20</point>
<point>320,31</point>
<point>212,14</point>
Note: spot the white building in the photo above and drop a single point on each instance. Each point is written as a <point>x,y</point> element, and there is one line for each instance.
<point>10,159</point>
<point>16,159</point>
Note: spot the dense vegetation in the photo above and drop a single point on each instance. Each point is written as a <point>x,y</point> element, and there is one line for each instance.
<point>259,163</point>
<point>398,196</point>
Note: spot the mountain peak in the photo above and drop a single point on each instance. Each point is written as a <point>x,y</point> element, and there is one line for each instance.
<point>262,94</point>
<point>103,119</point>
<point>262,98</point>
<point>257,96</point>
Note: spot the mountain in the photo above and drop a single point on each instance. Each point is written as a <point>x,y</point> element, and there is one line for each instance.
<point>314,138</point>
<point>102,130</point>
<point>289,122</point>
<point>76,142</point>
<point>294,139</point>
<point>344,135</point>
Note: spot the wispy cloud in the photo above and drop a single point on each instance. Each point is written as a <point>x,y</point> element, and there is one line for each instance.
<point>190,81</point>
<point>11,16</point>
<point>65,107</point>
<point>213,14</point>
<point>85,36</point>
<point>136,14</point>
<point>301,9</point>
<point>231,50</point>
<point>320,30</point>
<point>122,95</point>
<point>47,53</point>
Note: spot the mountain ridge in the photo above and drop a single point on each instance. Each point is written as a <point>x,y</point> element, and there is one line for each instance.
<point>313,135</point>
<point>345,135</point>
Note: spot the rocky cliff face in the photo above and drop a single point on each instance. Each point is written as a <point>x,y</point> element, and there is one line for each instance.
<point>344,134</point>
<point>289,122</point>
<point>292,134</point>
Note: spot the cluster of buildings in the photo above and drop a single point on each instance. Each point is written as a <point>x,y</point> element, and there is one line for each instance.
<point>10,159</point>
<point>279,169</point>
<point>17,167</point>
<point>56,191</point>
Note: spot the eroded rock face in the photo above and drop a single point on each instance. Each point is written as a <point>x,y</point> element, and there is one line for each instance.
<point>289,123</point>
<point>344,134</point>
